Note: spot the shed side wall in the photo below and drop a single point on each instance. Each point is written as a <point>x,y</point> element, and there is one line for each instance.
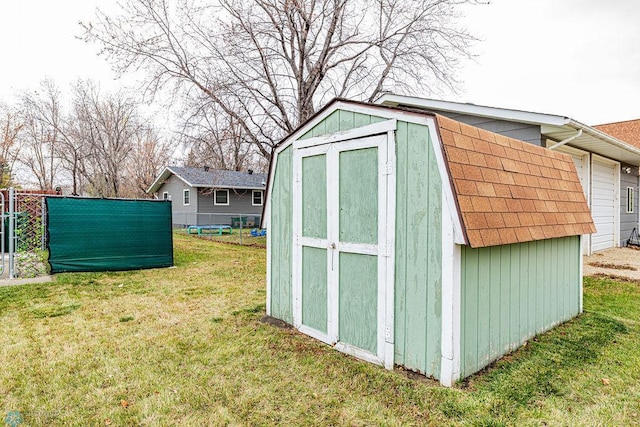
<point>281,231</point>
<point>511,293</point>
<point>418,275</point>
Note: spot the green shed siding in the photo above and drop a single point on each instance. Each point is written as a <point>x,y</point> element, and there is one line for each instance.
<point>358,301</point>
<point>281,237</point>
<point>510,293</point>
<point>314,288</point>
<point>358,196</point>
<point>418,258</point>
<point>340,121</point>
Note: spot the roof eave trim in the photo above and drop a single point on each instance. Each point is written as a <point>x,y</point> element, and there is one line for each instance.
<point>155,186</point>
<point>476,110</point>
<point>605,137</point>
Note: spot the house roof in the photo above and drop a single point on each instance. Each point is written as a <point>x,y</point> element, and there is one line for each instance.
<point>212,178</point>
<point>509,191</point>
<point>555,128</point>
<point>627,131</point>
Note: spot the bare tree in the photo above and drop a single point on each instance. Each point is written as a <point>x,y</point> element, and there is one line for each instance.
<point>41,114</point>
<point>108,125</point>
<point>216,140</point>
<point>150,154</point>
<point>10,127</point>
<point>268,64</point>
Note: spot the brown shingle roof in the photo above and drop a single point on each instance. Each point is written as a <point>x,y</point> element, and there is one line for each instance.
<point>628,131</point>
<point>509,191</point>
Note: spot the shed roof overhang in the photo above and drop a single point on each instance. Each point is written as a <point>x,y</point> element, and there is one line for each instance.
<point>556,128</point>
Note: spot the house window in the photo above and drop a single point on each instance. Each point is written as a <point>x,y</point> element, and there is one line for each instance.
<point>221,197</point>
<point>165,196</point>
<point>257,198</point>
<point>630,199</point>
<point>186,197</point>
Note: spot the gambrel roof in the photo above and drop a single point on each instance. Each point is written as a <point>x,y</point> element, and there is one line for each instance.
<point>211,178</point>
<point>509,191</point>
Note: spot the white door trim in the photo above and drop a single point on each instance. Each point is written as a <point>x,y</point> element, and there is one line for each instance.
<point>298,241</point>
<point>384,248</point>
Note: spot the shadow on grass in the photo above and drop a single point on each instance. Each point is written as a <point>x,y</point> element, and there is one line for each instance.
<point>540,370</point>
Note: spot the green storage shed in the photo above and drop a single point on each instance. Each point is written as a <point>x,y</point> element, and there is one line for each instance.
<point>406,238</point>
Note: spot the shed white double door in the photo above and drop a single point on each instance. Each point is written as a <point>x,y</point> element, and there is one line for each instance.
<point>343,286</point>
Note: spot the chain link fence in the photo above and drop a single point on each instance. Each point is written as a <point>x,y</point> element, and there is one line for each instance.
<point>237,228</point>
<point>24,252</point>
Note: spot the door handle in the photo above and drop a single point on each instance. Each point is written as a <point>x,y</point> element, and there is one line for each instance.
<point>332,246</point>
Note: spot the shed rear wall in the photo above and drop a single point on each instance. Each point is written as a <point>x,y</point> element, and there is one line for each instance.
<point>511,293</point>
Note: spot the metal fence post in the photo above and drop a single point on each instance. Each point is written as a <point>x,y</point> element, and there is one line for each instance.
<point>43,223</point>
<point>12,230</point>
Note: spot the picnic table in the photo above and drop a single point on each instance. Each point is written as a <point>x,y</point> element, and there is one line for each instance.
<point>208,229</point>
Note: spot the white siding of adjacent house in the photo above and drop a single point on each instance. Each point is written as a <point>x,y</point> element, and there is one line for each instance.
<point>581,160</point>
<point>604,203</point>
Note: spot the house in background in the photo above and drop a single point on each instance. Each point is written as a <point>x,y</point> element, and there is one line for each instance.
<point>204,196</point>
<point>606,164</point>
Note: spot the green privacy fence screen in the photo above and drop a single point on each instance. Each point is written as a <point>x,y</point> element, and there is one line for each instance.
<point>108,234</point>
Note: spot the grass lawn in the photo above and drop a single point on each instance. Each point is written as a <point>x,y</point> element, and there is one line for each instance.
<point>185,346</point>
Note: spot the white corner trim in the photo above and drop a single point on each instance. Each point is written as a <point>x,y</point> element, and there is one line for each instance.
<point>296,256</point>
<point>389,351</point>
<point>581,275</point>
<point>449,205</point>
<point>451,313</point>
<point>269,242</point>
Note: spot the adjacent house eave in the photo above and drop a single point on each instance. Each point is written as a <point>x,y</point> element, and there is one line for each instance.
<point>594,141</point>
<point>553,127</point>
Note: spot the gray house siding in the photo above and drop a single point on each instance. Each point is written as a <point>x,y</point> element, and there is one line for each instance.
<point>628,221</point>
<point>182,215</point>
<point>202,211</point>
<point>240,202</point>
<point>524,132</point>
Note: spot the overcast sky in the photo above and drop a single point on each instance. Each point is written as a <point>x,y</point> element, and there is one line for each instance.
<point>578,58</point>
